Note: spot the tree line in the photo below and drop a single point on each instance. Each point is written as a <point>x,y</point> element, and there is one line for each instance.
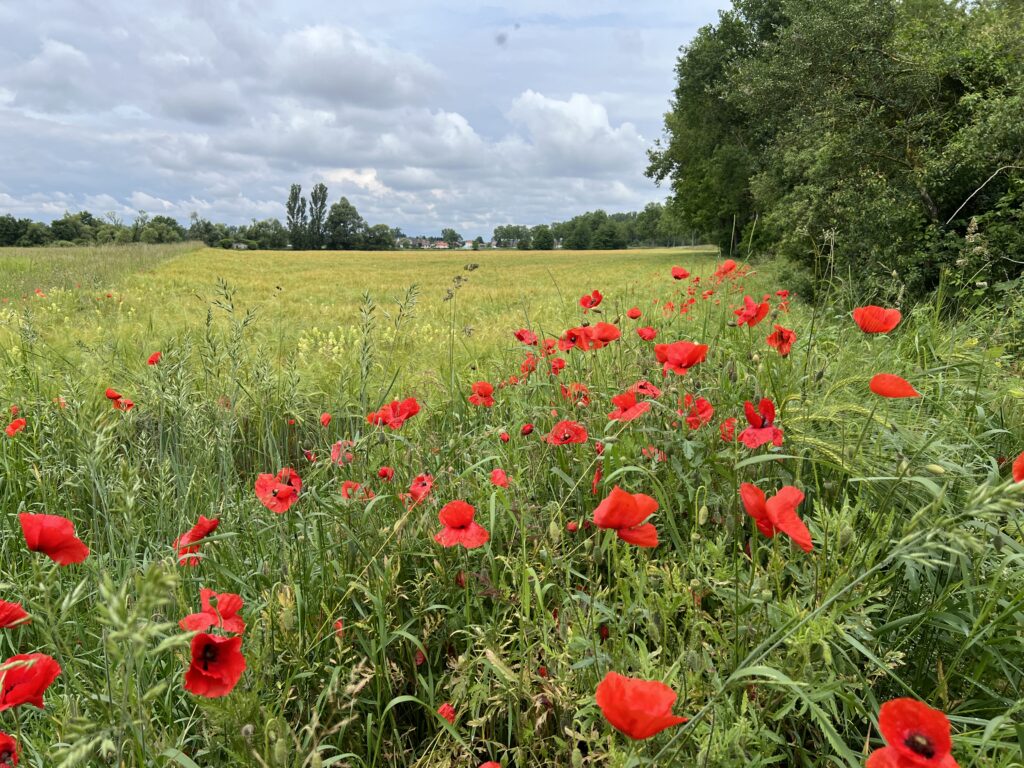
<point>882,139</point>
<point>598,230</point>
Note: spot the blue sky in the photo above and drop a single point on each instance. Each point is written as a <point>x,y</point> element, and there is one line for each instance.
<point>424,113</point>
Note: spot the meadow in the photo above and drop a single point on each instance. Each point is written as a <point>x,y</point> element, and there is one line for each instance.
<point>381,626</point>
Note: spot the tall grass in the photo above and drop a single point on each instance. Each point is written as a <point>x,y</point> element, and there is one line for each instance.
<point>914,587</point>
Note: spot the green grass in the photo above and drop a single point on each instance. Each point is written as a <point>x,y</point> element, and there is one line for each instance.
<point>780,657</point>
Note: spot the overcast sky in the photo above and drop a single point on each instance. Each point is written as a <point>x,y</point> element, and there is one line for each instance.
<point>424,113</point>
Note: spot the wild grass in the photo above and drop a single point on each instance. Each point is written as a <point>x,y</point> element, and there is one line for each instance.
<point>914,588</point>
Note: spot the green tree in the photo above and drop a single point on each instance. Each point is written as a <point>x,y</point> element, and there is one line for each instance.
<point>297,218</point>
<point>380,237</point>
<point>317,233</point>
<point>345,227</point>
<point>453,238</point>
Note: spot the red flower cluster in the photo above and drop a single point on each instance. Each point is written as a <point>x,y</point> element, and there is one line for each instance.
<point>278,492</point>
<point>395,413</point>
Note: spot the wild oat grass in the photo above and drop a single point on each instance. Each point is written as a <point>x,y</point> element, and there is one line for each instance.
<point>914,586</point>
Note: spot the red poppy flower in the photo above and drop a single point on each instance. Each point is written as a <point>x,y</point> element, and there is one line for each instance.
<point>499,478</point>
<point>154,358</point>
<point>762,427</point>
<point>525,336</point>
<point>339,629</point>
<point>349,488</point>
<point>565,432</point>
<point>420,658</point>
<point>504,437</point>
<point>278,492</point>
<point>647,333</point>
<point>217,665</point>
<point>645,388</point>
<point>218,610</point>
<point>725,269</point>
<point>917,737</point>
<point>54,536</point>
<point>447,711</point>
<point>576,393</point>
<point>892,386</point>
<point>727,429</point>
<point>526,429</point>
<point>1018,469</point>
<point>488,764</point>
<point>589,337</point>
<point>325,419</point>
<point>638,708</point>
<point>386,473</point>
<point>420,488</point>
<point>459,527</point>
<point>12,615</point>
<point>395,413</point>
<point>339,454</point>
<point>680,356</point>
<point>627,408</point>
<point>591,301</point>
<point>874,319</point>
<point>9,751</point>
<point>625,514</point>
<point>15,427</point>
<point>751,313</point>
<point>24,678</point>
<point>188,543</point>
<point>700,411</point>
<point>557,365</point>
<point>112,394</point>
<point>633,313</point>
<point>679,273</point>
<point>782,339</point>
<point>777,513</point>
<point>482,392</point>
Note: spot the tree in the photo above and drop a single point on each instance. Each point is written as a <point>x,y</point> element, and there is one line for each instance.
<point>453,238</point>
<point>12,229</point>
<point>542,238</point>
<point>35,234</point>
<point>297,219</point>
<point>578,237</point>
<point>317,216</point>
<point>380,237</point>
<point>345,227</point>
<point>269,234</point>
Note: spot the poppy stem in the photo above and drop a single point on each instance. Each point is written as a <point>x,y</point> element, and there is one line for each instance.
<point>863,432</point>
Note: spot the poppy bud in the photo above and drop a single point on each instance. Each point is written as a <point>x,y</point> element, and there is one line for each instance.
<point>420,658</point>
<point>247,731</point>
<point>460,580</point>
<point>577,758</point>
<point>695,536</point>
<point>542,671</point>
<point>526,429</point>
<point>572,526</point>
<point>505,437</point>
<point>702,515</point>
<point>602,632</point>
<point>936,469</point>
<point>281,752</point>
<point>554,532</point>
<point>315,761</point>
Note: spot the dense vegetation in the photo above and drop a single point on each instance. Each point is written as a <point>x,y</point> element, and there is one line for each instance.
<point>879,140</point>
<point>364,635</point>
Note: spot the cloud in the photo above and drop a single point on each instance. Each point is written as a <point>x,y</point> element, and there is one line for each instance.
<point>410,108</point>
<point>574,137</point>
<point>339,66</point>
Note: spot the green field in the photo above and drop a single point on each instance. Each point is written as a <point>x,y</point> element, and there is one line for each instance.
<point>913,586</point>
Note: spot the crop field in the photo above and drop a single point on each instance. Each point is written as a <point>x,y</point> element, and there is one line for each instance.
<point>624,508</point>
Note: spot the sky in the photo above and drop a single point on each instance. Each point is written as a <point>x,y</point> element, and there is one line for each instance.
<point>424,113</point>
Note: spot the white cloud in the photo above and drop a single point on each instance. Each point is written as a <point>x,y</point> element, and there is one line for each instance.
<point>340,66</point>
